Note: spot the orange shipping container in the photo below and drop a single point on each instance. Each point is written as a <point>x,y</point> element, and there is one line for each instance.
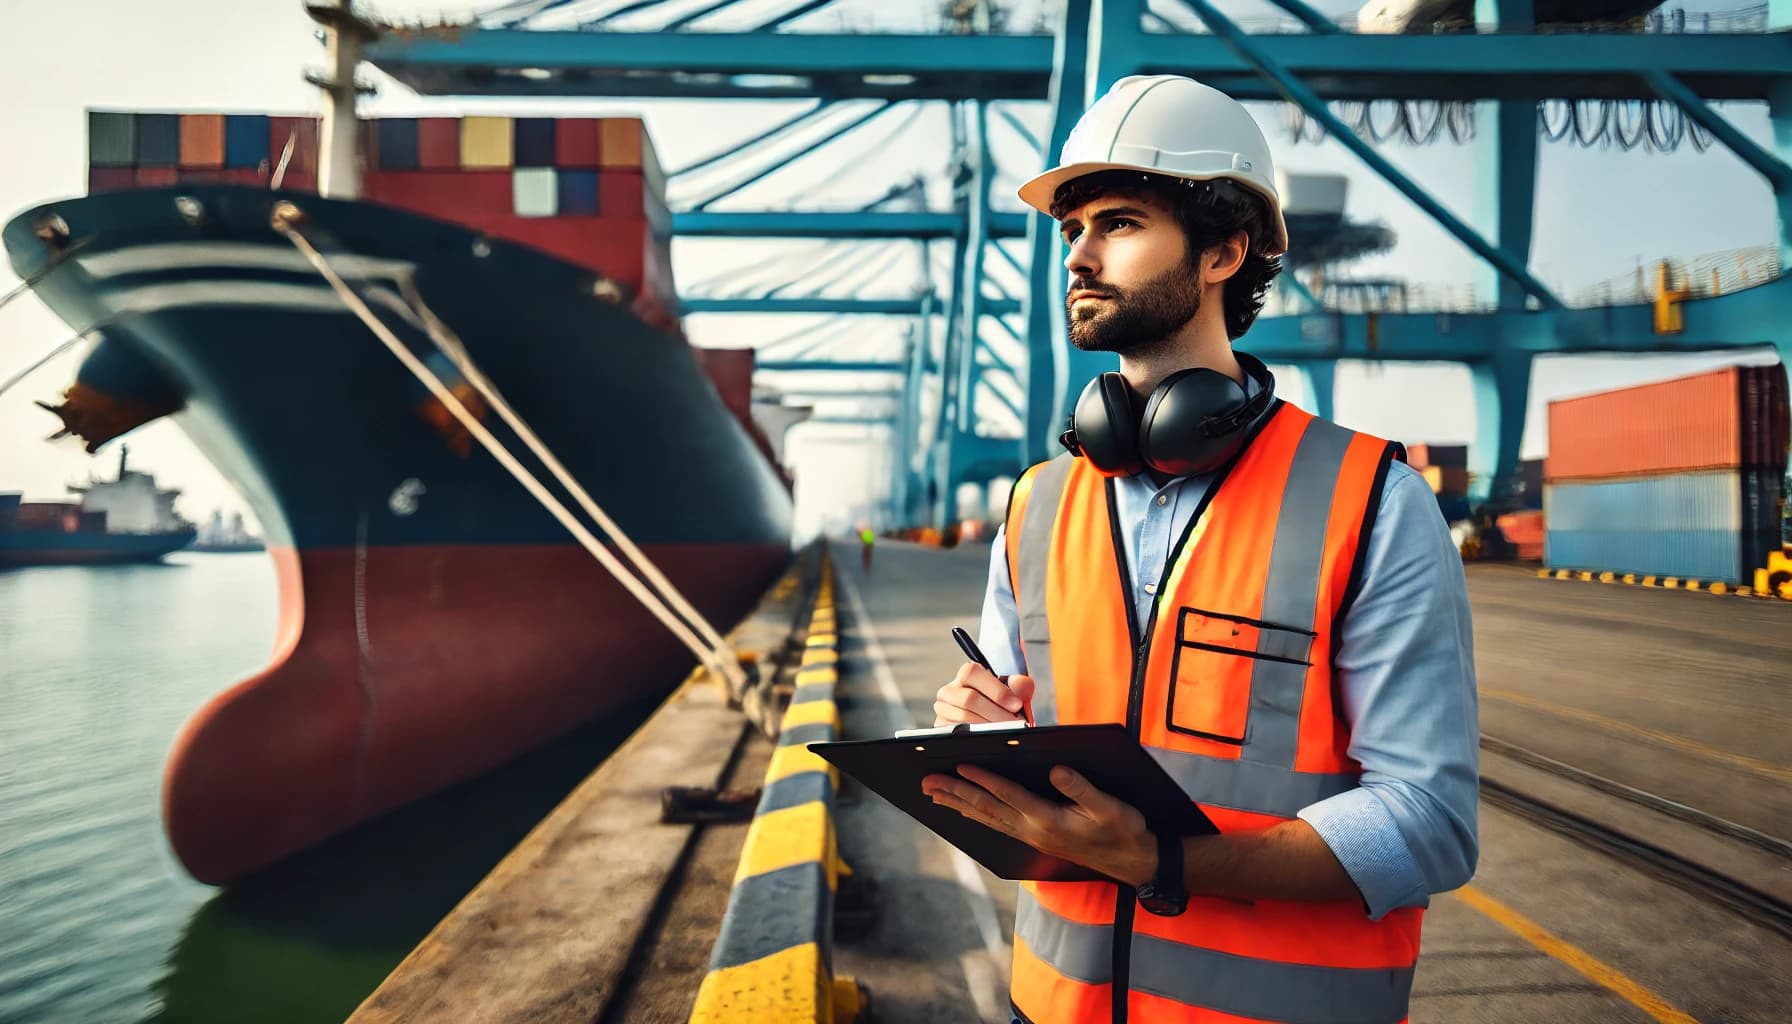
<point>202,140</point>
<point>1703,422</point>
<point>620,142</point>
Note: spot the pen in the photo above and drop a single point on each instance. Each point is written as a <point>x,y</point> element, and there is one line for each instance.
<point>975,653</point>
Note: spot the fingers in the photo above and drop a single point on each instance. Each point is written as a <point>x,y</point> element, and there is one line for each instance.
<point>1022,686</point>
<point>978,678</point>
<point>971,802</point>
<point>975,696</point>
<point>1093,802</point>
<point>1008,792</point>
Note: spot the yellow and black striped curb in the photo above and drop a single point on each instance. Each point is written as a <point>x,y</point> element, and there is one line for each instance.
<point>1761,590</point>
<point>773,960</point>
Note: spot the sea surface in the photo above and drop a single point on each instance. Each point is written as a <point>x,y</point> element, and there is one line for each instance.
<point>99,668</point>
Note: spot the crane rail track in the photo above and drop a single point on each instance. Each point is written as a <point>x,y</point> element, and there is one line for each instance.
<point>1738,896</point>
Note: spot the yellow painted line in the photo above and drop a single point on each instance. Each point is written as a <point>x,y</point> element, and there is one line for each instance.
<point>790,985</point>
<point>813,712</point>
<point>821,640</point>
<point>785,837</point>
<point>788,761</point>
<point>1595,970</point>
<point>1667,739</point>
<point>820,656</point>
<point>818,674</point>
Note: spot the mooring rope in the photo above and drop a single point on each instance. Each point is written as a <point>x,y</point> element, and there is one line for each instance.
<point>717,656</point>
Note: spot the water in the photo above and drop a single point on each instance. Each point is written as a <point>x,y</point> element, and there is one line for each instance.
<point>99,667</point>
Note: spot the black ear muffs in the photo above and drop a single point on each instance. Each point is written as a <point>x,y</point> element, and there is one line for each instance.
<point>1104,428</point>
<point>1195,421</point>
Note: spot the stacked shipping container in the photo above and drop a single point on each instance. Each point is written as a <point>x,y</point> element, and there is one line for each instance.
<point>1445,468</point>
<point>1681,478</point>
<point>587,190</point>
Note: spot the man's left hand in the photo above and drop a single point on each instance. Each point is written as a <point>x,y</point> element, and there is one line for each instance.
<point>1094,830</point>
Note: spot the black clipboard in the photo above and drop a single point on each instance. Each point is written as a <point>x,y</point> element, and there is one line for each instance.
<point>1104,754</point>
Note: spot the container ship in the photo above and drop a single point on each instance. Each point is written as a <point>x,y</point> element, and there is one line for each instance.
<point>125,519</point>
<point>434,619</point>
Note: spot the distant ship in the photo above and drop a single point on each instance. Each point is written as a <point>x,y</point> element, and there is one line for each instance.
<point>127,519</point>
<point>226,536</point>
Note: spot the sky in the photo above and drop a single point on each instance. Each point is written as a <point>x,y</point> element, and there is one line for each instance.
<point>1599,215</point>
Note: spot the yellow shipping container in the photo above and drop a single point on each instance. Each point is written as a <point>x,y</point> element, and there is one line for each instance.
<point>486,142</point>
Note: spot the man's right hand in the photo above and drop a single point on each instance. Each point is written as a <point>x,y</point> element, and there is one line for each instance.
<point>977,696</point>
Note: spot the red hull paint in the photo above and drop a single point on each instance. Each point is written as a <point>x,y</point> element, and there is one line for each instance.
<point>406,669</point>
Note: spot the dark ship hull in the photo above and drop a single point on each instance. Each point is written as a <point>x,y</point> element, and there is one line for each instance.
<point>434,619</point>
<point>47,547</point>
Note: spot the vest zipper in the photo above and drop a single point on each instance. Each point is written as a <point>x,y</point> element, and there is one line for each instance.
<point>1125,900</point>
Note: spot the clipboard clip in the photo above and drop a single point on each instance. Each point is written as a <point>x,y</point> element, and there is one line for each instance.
<point>950,730</point>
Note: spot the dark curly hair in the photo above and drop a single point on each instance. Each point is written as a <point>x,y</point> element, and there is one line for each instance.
<point>1210,212</point>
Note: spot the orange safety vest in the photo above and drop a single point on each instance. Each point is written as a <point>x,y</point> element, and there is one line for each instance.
<point>1231,690</point>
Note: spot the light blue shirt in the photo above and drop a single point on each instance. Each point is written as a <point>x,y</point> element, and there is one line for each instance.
<point>1405,673</point>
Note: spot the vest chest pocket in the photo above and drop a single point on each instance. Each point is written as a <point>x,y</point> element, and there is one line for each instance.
<point>1216,657</point>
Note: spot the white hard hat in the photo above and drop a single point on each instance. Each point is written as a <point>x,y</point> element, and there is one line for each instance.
<point>1173,126</point>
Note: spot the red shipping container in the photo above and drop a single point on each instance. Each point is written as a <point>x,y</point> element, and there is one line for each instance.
<point>612,248</point>
<point>1703,422</point>
<point>446,195</point>
<point>297,181</point>
<point>621,194</point>
<point>577,143</point>
<point>438,144</point>
<point>202,140</point>
<point>302,132</point>
<point>157,177</point>
<point>109,179</point>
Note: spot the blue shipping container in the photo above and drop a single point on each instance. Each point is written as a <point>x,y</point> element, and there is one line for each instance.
<point>245,141</point>
<point>1688,525</point>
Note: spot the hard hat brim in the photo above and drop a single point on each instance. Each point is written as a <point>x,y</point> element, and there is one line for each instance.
<point>1039,192</point>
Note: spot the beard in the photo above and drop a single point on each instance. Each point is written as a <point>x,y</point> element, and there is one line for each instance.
<point>1133,321</point>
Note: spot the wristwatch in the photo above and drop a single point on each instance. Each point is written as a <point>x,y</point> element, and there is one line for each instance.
<point>1166,895</point>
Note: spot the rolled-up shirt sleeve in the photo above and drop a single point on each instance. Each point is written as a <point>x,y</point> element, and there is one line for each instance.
<point>1406,679</point>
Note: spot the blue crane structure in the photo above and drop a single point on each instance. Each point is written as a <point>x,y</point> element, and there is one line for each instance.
<point>964,334</point>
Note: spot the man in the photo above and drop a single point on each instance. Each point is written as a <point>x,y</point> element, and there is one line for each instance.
<point>867,540</point>
<point>1271,603</point>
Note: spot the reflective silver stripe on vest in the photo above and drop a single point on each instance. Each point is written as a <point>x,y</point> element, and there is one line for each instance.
<point>1035,554</point>
<point>1084,952</point>
<point>1206,978</point>
<point>1291,592</point>
<point>1247,785</point>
